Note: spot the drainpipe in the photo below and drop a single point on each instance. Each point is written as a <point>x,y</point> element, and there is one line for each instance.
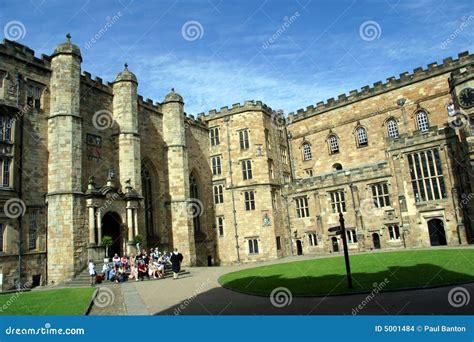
<point>20,176</point>
<point>226,120</point>
<point>289,223</point>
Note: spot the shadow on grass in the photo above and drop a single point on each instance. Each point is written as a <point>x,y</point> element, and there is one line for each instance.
<point>219,301</point>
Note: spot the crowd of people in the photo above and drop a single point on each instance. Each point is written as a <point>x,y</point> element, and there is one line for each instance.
<point>150,265</point>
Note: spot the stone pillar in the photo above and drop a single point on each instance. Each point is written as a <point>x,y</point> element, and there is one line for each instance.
<point>91,211</point>
<point>67,238</point>
<point>130,223</point>
<point>125,107</point>
<point>99,226</point>
<point>177,156</point>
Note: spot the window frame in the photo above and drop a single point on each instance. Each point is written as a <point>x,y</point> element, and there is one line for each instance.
<point>338,201</point>
<point>392,128</point>
<point>362,138</point>
<point>246,165</point>
<point>244,140</point>
<point>419,122</point>
<point>214,135</point>
<point>394,232</point>
<point>333,144</point>
<point>380,194</point>
<point>218,193</point>
<point>216,165</point>
<point>249,200</point>
<point>307,151</point>
<point>220,225</point>
<point>302,206</point>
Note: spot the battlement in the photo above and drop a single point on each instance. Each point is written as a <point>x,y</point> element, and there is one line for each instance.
<point>191,120</point>
<point>250,105</point>
<point>404,79</point>
<point>149,104</point>
<point>96,83</point>
<point>24,53</point>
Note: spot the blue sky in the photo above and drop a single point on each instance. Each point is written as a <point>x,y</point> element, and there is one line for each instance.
<point>243,50</point>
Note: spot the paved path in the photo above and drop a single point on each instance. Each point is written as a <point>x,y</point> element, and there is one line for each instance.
<point>199,293</point>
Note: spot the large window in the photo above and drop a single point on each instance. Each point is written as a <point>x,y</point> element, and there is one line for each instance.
<point>284,155</point>
<point>361,135</point>
<point>214,136</point>
<point>220,225</point>
<point>249,197</point>
<point>244,139</point>
<point>313,240</point>
<point>426,175</point>
<point>394,232</point>
<point>246,169</point>
<point>351,236</point>
<point>147,191</point>
<point>218,193</point>
<point>216,162</point>
<point>253,246</point>
<point>380,195</point>
<point>338,202</point>
<point>302,209</point>
<point>33,96</point>
<point>392,128</point>
<point>333,144</point>
<point>6,172</point>
<point>33,229</point>
<point>422,121</point>
<point>307,155</point>
<point>6,124</point>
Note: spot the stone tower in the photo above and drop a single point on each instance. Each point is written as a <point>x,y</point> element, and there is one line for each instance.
<point>65,194</point>
<point>125,108</point>
<point>178,173</point>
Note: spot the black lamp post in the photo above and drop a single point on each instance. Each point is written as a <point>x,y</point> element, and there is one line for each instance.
<point>346,251</point>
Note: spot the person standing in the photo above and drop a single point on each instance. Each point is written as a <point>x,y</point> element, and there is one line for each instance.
<point>92,272</point>
<point>176,259</point>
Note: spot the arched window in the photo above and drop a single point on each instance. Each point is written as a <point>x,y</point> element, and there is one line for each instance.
<point>307,151</point>
<point>422,121</point>
<point>147,191</point>
<point>361,135</point>
<point>333,144</point>
<point>313,240</point>
<point>337,167</point>
<point>392,128</point>
<point>194,208</point>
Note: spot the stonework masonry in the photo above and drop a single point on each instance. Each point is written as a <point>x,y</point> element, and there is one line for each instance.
<point>84,159</point>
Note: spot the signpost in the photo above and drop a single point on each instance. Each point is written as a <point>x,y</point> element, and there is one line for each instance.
<point>346,251</point>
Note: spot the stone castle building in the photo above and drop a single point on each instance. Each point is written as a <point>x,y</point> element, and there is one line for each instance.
<point>82,159</point>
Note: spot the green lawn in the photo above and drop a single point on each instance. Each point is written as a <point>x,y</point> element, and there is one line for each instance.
<point>407,269</point>
<point>51,302</point>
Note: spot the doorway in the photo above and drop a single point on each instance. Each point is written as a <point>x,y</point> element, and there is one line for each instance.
<point>437,233</point>
<point>111,226</point>
<point>335,244</point>
<point>376,240</point>
<point>299,247</point>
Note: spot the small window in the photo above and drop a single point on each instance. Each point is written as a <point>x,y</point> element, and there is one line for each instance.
<point>392,128</point>
<point>286,177</point>
<point>361,134</point>
<point>270,169</point>
<point>274,199</point>
<point>333,145</point>
<point>246,169</point>
<point>218,194</point>
<point>422,121</point>
<point>33,96</point>
<point>313,241</point>
<point>302,209</point>
<point>267,139</point>
<point>33,229</point>
<point>337,167</point>
<point>220,225</point>
<point>244,139</point>
<point>249,197</point>
<point>214,136</point>
<point>284,155</point>
<point>307,155</point>
<point>394,232</point>
<point>309,172</point>
<point>380,195</point>
<point>6,172</point>
<point>338,202</point>
<point>253,246</point>
<point>351,236</point>
<point>216,165</point>
<point>278,242</point>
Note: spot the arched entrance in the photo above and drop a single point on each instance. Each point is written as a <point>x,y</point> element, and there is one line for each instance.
<point>376,240</point>
<point>437,233</point>
<point>112,226</point>
<point>299,247</point>
<point>335,244</point>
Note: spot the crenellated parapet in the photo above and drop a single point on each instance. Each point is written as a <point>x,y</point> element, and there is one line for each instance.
<point>97,83</point>
<point>24,53</point>
<point>190,120</point>
<point>149,104</point>
<point>236,108</point>
<point>433,69</point>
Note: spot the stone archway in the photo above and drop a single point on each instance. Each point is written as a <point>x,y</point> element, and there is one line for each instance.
<point>437,232</point>
<point>112,226</point>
